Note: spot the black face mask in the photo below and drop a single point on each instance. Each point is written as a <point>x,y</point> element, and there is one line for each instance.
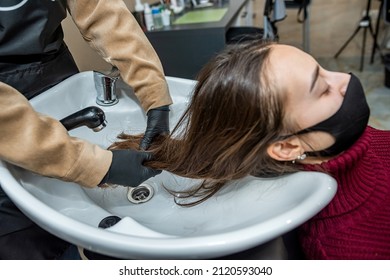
<point>348,123</point>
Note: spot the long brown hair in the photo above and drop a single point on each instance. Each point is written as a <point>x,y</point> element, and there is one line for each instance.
<point>234,114</point>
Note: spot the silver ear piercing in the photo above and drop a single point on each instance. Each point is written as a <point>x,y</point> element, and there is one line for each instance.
<point>300,157</point>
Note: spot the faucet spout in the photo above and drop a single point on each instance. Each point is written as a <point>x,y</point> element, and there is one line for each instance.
<point>92,117</point>
<point>105,84</point>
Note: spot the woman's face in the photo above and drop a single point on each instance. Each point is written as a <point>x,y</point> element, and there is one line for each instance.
<point>313,94</point>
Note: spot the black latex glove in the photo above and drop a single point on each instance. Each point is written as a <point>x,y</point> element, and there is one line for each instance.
<point>127,169</point>
<point>157,124</point>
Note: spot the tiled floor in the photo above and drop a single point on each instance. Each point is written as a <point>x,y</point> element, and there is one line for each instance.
<point>332,22</point>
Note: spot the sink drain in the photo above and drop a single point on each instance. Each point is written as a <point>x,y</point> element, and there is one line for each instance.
<point>109,221</point>
<point>140,194</point>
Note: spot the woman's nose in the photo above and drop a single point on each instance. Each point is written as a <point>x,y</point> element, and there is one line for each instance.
<point>343,81</point>
<point>343,90</point>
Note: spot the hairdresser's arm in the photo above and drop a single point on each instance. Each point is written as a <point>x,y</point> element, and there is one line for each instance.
<point>42,145</point>
<point>109,27</point>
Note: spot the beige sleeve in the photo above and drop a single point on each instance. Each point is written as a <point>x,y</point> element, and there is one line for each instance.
<point>110,28</point>
<point>41,144</point>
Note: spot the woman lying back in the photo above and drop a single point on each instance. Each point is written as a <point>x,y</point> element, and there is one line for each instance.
<point>266,109</point>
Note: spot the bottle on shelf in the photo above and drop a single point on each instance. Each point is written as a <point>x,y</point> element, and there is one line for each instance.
<point>139,14</point>
<point>148,17</point>
<point>157,18</point>
<point>166,17</point>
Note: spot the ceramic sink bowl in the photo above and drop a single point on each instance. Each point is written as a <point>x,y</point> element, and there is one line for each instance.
<point>246,213</point>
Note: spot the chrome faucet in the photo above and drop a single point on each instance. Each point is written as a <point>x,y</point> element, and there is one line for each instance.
<point>105,84</point>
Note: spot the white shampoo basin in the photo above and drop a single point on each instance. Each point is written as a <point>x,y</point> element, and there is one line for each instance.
<point>246,213</point>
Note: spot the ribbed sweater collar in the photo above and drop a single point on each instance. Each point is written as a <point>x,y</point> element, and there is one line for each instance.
<point>358,172</point>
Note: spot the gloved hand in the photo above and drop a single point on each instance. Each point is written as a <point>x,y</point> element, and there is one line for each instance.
<point>127,169</point>
<point>158,123</point>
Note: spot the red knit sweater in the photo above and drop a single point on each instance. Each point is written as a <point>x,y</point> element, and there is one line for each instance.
<point>356,223</point>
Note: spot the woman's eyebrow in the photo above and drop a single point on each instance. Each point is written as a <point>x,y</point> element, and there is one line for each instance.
<point>314,77</point>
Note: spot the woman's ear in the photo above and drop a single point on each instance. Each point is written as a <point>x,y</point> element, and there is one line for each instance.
<point>286,150</point>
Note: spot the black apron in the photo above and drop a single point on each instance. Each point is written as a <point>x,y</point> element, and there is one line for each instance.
<point>33,78</point>
<point>33,55</point>
<point>33,58</point>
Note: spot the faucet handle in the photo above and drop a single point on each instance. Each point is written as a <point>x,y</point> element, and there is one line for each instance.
<point>113,73</point>
<point>105,86</point>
